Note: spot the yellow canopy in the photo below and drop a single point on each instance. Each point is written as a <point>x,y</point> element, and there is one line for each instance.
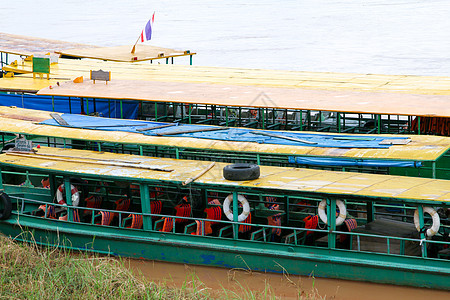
<point>26,45</point>
<point>254,96</point>
<point>67,69</point>
<point>292,179</point>
<point>24,121</point>
<point>123,53</point>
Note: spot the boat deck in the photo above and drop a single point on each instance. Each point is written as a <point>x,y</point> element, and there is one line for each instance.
<point>26,46</point>
<point>272,178</point>
<point>259,97</point>
<point>25,121</point>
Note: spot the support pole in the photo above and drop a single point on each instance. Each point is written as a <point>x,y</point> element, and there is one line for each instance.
<point>68,192</point>
<point>331,215</point>
<point>146,207</point>
<point>235,215</point>
<point>422,234</point>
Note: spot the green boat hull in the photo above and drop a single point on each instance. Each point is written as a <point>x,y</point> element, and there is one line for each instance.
<point>229,253</point>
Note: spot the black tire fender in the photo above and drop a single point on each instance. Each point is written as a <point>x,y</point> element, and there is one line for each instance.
<point>9,146</point>
<point>241,171</point>
<point>5,206</point>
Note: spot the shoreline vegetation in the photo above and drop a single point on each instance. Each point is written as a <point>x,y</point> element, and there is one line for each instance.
<point>28,271</point>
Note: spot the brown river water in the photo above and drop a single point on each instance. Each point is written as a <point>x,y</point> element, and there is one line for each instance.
<point>238,283</point>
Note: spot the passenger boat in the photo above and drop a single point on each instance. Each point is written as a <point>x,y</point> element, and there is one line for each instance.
<point>265,99</point>
<point>412,155</point>
<point>267,107</point>
<point>299,221</point>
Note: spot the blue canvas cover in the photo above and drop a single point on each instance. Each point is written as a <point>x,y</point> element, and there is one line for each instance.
<point>106,108</point>
<point>347,162</point>
<point>228,134</point>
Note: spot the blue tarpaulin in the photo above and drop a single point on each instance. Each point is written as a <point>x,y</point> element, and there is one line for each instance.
<point>107,108</point>
<point>228,134</point>
<point>347,162</point>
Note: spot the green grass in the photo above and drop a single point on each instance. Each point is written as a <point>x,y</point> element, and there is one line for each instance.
<point>28,271</point>
<point>31,272</point>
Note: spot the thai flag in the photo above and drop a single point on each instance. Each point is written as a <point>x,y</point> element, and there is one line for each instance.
<point>146,33</point>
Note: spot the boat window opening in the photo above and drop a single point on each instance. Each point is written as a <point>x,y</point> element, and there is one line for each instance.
<point>294,215</point>
<point>298,223</point>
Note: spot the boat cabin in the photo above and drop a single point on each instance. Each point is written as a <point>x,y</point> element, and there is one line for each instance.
<point>302,221</point>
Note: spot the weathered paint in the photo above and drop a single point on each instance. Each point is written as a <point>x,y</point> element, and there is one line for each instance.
<point>275,178</point>
<point>303,260</point>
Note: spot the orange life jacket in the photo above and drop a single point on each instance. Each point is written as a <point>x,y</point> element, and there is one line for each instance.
<point>156,207</point>
<point>136,221</point>
<point>270,201</point>
<point>212,213</point>
<point>183,210</point>
<point>167,225</point>
<point>158,192</point>
<point>106,218</point>
<point>311,222</point>
<point>200,226</point>
<point>275,220</point>
<point>94,201</point>
<point>350,224</point>
<point>245,228</point>
<point>50,213</point>
<point>76,216</point>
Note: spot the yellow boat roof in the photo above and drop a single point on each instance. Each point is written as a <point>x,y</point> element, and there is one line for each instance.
<point>123,53</point>
<point>135,167</point>
<point>67,69</point>
<point>254,96</point>
<point>24,121</point>
<point>25,45</point>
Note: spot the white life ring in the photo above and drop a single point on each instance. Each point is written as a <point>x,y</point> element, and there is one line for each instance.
<point>436,220</point>
<point>229,213</point>
<point>75,195</point>
<point>342,212</point>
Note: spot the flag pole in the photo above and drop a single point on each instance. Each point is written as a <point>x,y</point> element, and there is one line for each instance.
<point>134,47</point>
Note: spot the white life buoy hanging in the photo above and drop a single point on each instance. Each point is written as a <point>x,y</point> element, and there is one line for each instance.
<point>342,212</point>
<point>229,213</point>
<point>60,195</point>
<point>436,220</point>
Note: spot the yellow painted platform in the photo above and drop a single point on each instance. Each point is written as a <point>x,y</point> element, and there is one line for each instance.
<point>26,45</point>
<point>123,53</point>
<point>256,96</point>
<point>274,178</point>
<point>68,69</point>
<point>24,121</point>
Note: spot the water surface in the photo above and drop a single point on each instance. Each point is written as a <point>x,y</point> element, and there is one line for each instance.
<point>371,36</point>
